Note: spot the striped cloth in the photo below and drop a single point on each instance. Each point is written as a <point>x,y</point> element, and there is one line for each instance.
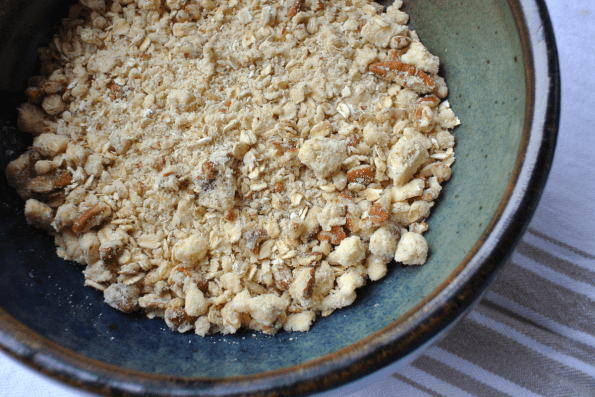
<point>533,334</point>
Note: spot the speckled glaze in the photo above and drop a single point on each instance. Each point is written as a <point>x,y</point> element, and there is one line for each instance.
<point>504,149</point>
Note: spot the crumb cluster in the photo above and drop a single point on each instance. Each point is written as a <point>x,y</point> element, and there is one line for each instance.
<point>238,163</point>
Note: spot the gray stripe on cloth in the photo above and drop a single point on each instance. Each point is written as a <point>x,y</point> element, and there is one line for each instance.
<point>431,382</point>
<point>554,276</point>
<point>539,319</point>
<point>545,297</point>
<point>506,358</point>
<point>561,244</point>
<point>561,345</point>
<point>558,264</point>
<point>559,252</point>
<point>416,385</point>
<point>456,378</point>
<point>477,372</point>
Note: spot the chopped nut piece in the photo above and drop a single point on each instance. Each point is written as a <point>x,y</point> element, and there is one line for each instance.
<point>302,286</point>
<point>309,259</point>
<point>253,238</point>
<point>418,227</point>
<point>230,216</point>
<point>294,8</point>
<point>334,236</point>
<point>405,75</point>
<point>122,297</point>
<point>94,216</point>
<point>377,215</point>
<point>217,184</point>
<point>177,319</point>
<point>283,276</point>
<point>49,183</point>
<point>363,174</point>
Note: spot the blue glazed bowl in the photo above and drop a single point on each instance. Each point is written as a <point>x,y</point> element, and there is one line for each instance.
<point>500,62</point>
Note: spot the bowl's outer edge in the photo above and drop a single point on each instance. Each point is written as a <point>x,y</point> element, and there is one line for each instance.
<point>398,340</point>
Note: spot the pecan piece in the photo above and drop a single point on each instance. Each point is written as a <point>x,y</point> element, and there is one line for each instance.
<point>406,75</point>
<point>193,10</point>
<point>49,183</point>
<point>333,236</point>
<point>294,8</point>
<point>109,255</point>
<point>283,276</point>
<point>310,259</point>
<point>177,319</point>
<point>230,216</point>
<point>283,147</point>
<point>349,223</point>
<point>180,275</point>
<point>122,297</point>
<point>345,196</point>
<point>309,289</point>
<point>428,100</point>
<point>159,163</point>
<point>377,215</point>
<point>395,55</point>
<point>363,174</point>
<point>94,216</point>
<point>399,42</point>
<point>418,228</point>
<point>253,238</point>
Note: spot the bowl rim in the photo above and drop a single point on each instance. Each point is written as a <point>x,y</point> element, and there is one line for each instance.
<point>397,341</point>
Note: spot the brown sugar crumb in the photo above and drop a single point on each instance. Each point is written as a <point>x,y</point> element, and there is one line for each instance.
<point>228,164</point>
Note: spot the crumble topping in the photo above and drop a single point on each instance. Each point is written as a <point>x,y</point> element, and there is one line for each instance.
<point>240,163</point>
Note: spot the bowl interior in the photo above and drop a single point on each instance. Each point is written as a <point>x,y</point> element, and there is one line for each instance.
<point>480,49</point>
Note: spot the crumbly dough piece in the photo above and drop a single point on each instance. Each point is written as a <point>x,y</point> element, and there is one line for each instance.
<point>235,164</point>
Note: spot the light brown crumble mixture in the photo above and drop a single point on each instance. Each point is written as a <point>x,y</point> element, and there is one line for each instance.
<point>242,163</point>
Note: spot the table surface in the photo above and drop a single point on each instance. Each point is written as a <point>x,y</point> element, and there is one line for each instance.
<point>533,334</point>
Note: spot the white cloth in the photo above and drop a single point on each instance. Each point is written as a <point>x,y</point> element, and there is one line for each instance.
<point>532,334</point>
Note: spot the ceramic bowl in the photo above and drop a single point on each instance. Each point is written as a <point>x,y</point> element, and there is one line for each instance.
<point>500,62</point>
